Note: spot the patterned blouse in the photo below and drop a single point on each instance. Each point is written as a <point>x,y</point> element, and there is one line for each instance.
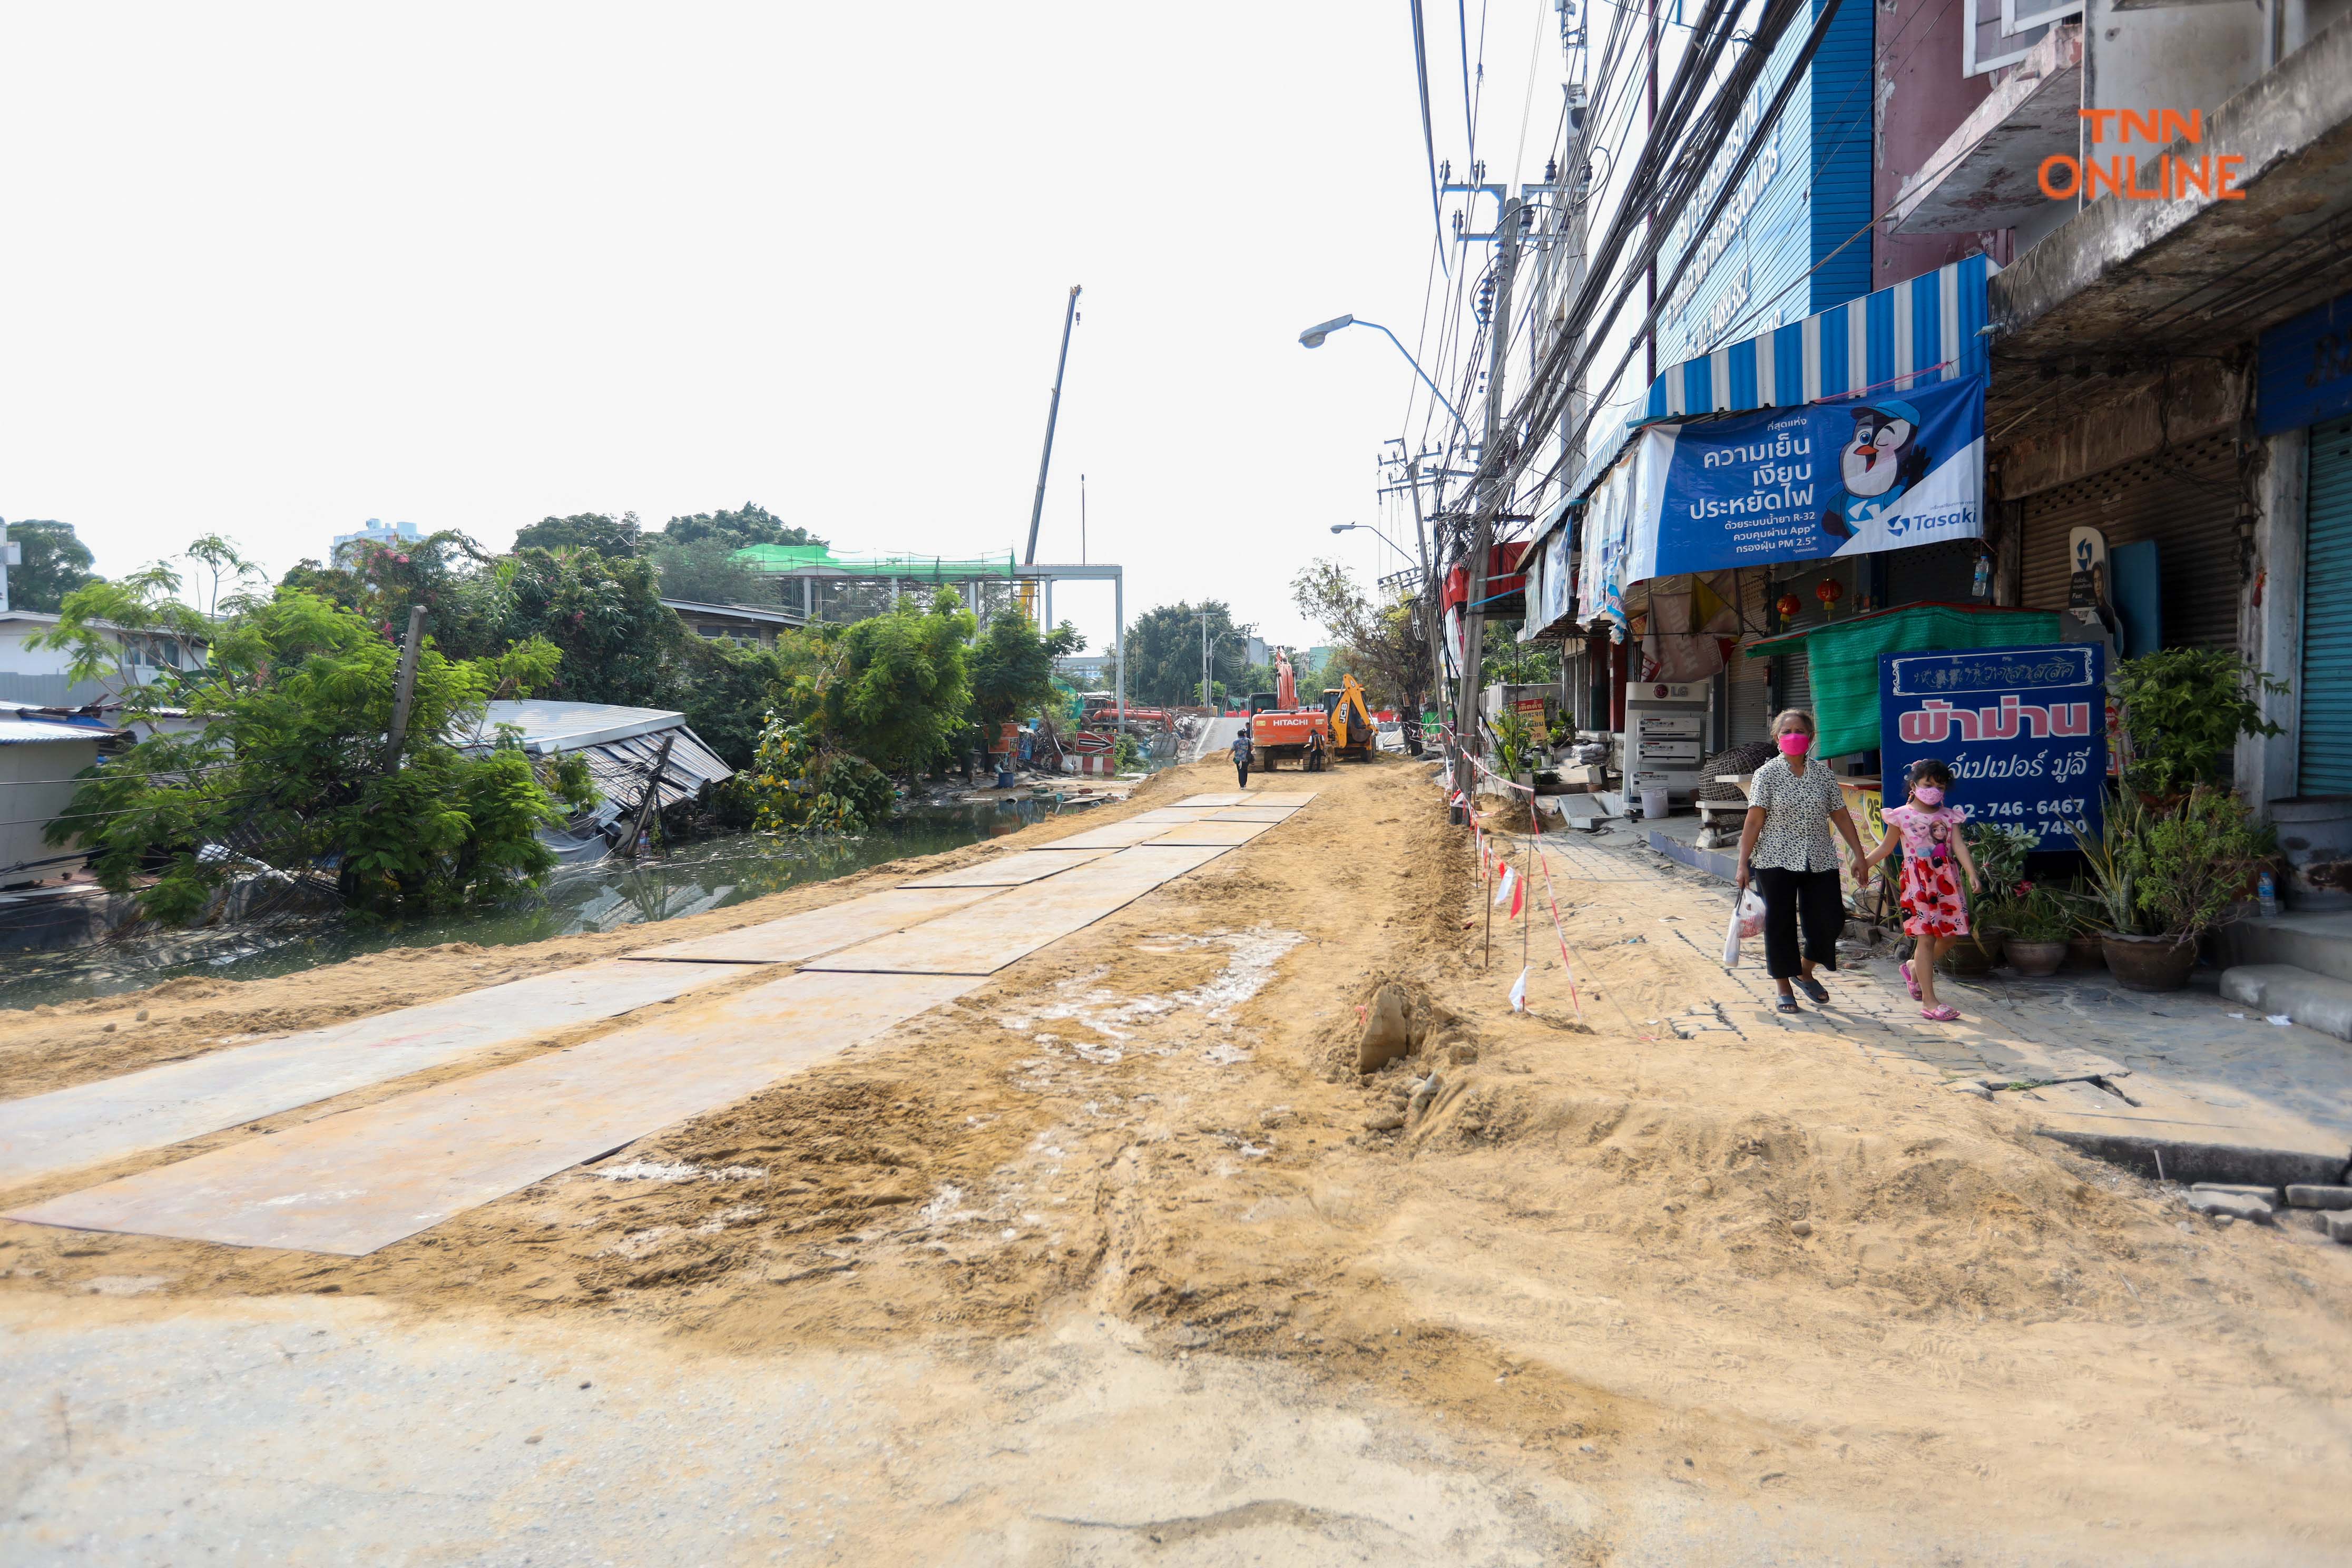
<point>1797,809</point>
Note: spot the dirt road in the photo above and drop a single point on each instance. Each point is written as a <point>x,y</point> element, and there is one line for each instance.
<point>1118,1260</point>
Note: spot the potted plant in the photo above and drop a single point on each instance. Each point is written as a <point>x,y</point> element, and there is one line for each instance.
<point>1515,746</point>
<point>2085,921</point>
<point>2166,877</point>
<point>2184,711</point>
<point>2036,931</point>
<point>2000,854</point>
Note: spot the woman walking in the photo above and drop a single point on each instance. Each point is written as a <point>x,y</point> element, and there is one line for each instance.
<point>1785,847</point>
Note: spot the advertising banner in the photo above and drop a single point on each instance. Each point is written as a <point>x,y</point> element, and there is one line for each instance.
<point>2022,729</point>
<point>1847,477</point>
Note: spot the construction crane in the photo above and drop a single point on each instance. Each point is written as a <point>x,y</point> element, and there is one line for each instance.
<point>1045,462</point>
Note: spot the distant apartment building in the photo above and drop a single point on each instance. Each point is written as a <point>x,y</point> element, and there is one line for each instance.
<point>377,533</point>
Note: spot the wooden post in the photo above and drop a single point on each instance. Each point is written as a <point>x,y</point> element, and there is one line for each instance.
<point>652,801</point>
<point>403,691</point>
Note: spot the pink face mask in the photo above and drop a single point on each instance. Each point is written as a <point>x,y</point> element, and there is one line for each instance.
<point>1794,744</point>
<point>1928,795</point>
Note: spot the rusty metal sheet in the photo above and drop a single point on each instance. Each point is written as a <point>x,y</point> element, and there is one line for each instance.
<point>94,1122</point>
<point>1110,835</point>
<point>987,937</point>
<point>813,932</point>
<point>1230,797</point>
<point>1224,835</point>
<point>353,1183</point>
<point>1252,814</point>
<point>1011,870</point>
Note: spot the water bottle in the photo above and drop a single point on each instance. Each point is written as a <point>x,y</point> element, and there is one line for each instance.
<point>2266,891</point>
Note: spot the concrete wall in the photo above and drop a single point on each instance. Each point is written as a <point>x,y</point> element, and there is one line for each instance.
<point>2186,56</point>
<point>1921,99</point>
<point>2270,619</point>
<point>2116,420</point>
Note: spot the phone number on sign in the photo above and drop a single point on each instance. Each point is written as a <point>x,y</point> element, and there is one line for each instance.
<point>2059,813</point>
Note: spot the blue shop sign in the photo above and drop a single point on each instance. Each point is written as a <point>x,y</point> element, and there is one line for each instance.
<point>2022,729</point>
<point>2306,371</point>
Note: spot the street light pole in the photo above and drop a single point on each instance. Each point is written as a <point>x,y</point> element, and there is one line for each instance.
<point>1313,337</point>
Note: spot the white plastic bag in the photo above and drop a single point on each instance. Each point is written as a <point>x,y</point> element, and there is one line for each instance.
<point>1746,921</point>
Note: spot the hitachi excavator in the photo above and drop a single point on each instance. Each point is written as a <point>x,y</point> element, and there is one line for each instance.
<point>1281,729</point>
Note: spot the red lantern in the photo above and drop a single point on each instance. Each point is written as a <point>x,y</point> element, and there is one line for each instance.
<point>1828,590</point>
<point>1788,606</point>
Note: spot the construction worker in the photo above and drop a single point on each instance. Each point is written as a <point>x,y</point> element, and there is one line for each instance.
<point>1242,755</point>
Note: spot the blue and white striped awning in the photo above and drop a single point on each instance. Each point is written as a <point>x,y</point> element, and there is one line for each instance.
<point>1923,330</point>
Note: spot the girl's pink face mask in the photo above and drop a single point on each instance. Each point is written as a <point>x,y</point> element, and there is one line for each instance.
<point>1794,744</point>
<point>1928,795</point>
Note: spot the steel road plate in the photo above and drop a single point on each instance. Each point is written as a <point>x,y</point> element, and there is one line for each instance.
<point>1110,835</point>
<point>813,932</point>
<point>1223,834</point>
<point>353,1183</point>
<point>1012,870</point>
<point>987,937</point>
<point>93,1122</point>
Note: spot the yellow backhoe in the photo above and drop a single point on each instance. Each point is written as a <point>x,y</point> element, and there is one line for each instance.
<point>1354,736</point>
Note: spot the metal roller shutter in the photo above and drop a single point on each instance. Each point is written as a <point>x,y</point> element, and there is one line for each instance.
<point>2325,739</point>
<point>1750,715</point>
<point>2186,501</point>
<point>1792,685</point>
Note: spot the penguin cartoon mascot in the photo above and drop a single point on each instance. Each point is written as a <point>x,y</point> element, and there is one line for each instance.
<point>1876,469</point>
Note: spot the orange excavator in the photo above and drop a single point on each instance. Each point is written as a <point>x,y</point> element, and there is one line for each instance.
<point>1281,729</point>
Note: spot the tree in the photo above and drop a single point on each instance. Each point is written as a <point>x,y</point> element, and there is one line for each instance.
<point>288,771</point>
<point>222,561</point>
<point>1163,652</point>
<point>1507,661</point>
<point>727,693</point>
<point>750,524</point>
<point>607,617</point>
<point>705,571</point>
<point>600,531</point>
<point>900,692</point>
<point>1382,644</point>
<point>1012,667</point>
<point>458,584</point>
<point>113,630</point>
<point>55,562</point>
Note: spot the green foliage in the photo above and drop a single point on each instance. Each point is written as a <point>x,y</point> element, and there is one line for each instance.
<point>723,690</point>
<point>1125,756</point>
<point>1163,653</point>
<point>797,785</point>
<point>606,617</point>
<point>446,573</point>
<point>1514,740</point>
<point>1012,667</point>
<point>2033,913</point>
<point>1507,661</point>
<point>54,564</point>
<point>705,571</point>
<point>900,694</point>
<point>610,537</point>
<point>2000,850</point>
<point>2113,894</point>
<point>2185,709</point>
<point>750,524</point>
<point>1381,644</point>
<point>287,772</point>
<point>2192,863</point>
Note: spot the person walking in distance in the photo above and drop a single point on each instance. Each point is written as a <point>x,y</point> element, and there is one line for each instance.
<point>1785,847</point>
<point>1242,755</point>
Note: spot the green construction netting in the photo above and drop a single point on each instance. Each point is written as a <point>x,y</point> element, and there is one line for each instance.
<point>916,568</point>
<point>1842,659</point>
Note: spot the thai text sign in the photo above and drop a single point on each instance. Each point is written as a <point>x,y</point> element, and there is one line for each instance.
<point>1847,477</point>
<point>2022,729</point>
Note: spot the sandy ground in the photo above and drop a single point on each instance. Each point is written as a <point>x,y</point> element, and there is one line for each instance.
<point>1611,1294</point>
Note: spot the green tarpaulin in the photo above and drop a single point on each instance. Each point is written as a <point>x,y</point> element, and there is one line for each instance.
<point>1841,658</point>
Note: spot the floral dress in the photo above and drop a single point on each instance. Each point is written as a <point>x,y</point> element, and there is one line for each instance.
<point>1932,902</point>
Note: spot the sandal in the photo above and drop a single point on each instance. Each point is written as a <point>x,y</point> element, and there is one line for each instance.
<point>1789,1004</point>
<point>1913,985</point>
<point>1940,1015</point>
<point>1812,988</point>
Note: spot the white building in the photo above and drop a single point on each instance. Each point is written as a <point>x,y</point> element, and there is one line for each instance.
<point>38,677</point>
<point>376,532</point>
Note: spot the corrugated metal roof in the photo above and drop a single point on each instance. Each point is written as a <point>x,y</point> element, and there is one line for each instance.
<point>22,731</point>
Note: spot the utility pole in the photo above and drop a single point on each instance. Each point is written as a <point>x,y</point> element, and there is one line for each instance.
<point>403,691</point>
<point>1491,500</point>
<point>1433,617</point>
<point>1650,222</point>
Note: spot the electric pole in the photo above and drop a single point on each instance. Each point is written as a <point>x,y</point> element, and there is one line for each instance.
<point>1491,497</point>
<point>1433,617</point>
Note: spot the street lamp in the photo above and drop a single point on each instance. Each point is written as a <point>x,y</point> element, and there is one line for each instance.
<point>1313,337</point>
<point>1376,533</point>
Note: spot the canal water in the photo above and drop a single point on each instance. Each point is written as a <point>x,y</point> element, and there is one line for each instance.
<point>707,874</point>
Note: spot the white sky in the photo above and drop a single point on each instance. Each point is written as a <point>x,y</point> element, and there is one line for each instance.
<point>273,270</point>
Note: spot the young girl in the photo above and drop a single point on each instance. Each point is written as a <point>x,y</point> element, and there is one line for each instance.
<point>1932,909</point>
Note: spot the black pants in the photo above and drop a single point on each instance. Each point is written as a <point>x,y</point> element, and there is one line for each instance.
<point>1793,900</point>
<point>1241,766</point>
